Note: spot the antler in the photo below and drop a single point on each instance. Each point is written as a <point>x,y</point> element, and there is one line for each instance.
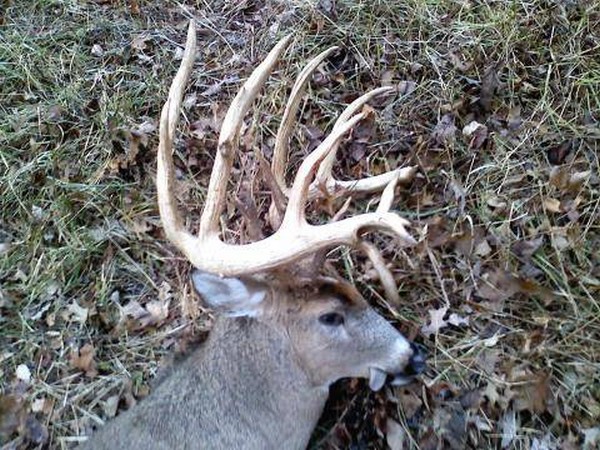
<point>296,238</point>
<point>324,182</point>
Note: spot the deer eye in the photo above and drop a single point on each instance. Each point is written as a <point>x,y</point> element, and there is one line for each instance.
<point>332,319</point>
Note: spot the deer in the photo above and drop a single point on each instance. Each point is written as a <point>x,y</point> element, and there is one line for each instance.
<point>280,337</point>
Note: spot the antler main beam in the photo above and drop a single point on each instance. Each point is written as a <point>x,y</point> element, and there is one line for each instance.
<point>296,238</point>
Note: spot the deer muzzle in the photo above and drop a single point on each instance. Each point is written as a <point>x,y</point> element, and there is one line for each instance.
<point>415,366</point>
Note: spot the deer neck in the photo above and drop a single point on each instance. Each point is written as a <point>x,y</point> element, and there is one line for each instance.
<point>261,380</point>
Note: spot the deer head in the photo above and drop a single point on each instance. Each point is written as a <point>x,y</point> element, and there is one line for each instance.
<point>261,379</point>
<point>334,331</point>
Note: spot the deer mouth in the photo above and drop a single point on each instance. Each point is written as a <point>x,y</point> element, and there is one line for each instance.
<point>378,378</point>
<point>415,366</point>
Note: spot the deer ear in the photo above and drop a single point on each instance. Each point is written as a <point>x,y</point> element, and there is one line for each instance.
<point>230,296</point>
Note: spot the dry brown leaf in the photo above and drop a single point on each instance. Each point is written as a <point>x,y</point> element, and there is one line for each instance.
<point>487,360</point>
<point>576,180</point>
<point>139,42</point>
<point>83,359</point>
<point>76,313</point>
<point>483,248</point>
<point>526,248</point>
<point>559,177</point>
<point>509,426</point>
<point>406,87</point>
<point>492,394</point>
<point>42,405</point>
<point>476,133</point>
<point>558,154</point>
<point>395,435</point>
<point>12,415</point>
<point>552,205</point>
<point>436,322</point>
<point>134,310</point>
<point>457,320</point>
<point>409,401</point>
<point>154,312</point>
<point>497,203</point>
<point>159,310</point>
<point>387,78</point>
<point>532,392</point>
<point>489,84</point>
<point>498,285</point>
<point>445,130</point>
<point>514,119</point>
<point>110,406</point>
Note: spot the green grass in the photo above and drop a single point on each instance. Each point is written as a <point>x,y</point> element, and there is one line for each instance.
<point>80,223</point>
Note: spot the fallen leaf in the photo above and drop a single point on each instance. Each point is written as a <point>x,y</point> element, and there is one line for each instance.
<point>591,438</point>
<point>477,134</point>
<point>34,431</point>
<point>532,392</point>
<point>508,424</point>
<point>576,180</point>
<point>436,322</point>
<point>134,310</point>
<point>83,359</point>
<point>552,205</point>
<point>489,84</point>
<point>480,423</point>
<point>497,285</point>
<point>526,248</point>
<point>42,405</point>
<point>406,87</point>
<point>483,248</point>
<point>155,311</point>
<point>159,310</point>
<point>139,42</point>
<point>12,415</point>
<point>4,248</point>
<point>395,435</point>
<point>558,154</point>
<point>23,373</point>
<point>97,50</point>
<point>458,62</point>
<point>409,401</point>
<point>110,406</point>
<point>76,313</point>
<point>387,78</point>
<point>190,101</point>
<point>491,392</point>
<point>457,320</point>
<point>514,119</point>
<point>445,130</point>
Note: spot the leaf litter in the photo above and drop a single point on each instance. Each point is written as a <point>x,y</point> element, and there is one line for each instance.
<point>505,200</point>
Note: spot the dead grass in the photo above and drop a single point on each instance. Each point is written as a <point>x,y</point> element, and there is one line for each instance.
<point>507,216</point>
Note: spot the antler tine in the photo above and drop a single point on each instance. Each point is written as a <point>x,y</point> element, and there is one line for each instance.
<point>229,140</point>
<point>294,213</point>
<point>324,172</point>
<point>165,177</point>
<point>295,239</point>
<point>280,152</point>
<point>325,179</point>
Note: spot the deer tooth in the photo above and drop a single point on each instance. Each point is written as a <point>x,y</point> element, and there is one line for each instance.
<point>401,380</point>
<point>377,378</point>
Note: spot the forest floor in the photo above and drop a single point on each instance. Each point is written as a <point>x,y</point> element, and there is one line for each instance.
<point>498,106</point>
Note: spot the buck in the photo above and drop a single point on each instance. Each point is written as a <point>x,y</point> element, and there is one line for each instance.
<point>280,339</point>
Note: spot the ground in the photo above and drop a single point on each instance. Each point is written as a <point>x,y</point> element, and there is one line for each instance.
<point>497,105</point>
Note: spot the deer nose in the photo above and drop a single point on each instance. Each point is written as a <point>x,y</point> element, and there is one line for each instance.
<point>416,363</point>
